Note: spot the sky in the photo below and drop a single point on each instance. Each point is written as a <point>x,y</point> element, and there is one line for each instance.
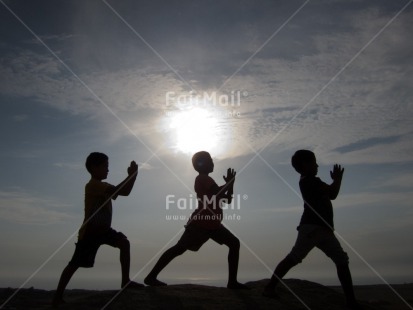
<point>249,81</point>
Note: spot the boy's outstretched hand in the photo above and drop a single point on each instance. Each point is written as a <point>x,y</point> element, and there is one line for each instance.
<point>337,173</point>
<point>230,178</point>
<point>133,168</point>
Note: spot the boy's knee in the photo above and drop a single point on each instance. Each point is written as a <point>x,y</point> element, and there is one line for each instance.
<point>234,244</point>
<point>176,250</point>
<point>341,259</point>
<point>293,260</point>
<point>124,244</point>
<point>237,243</point>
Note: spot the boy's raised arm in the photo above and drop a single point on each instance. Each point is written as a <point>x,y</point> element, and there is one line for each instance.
<point>337,175</point>
<point>124,188</point>
<point>226,191</point>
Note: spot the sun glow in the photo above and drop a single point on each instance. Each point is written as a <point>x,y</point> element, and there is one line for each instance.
<point>196,129</point>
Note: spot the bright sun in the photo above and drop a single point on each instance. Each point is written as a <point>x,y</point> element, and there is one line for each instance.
<point>195,130</point>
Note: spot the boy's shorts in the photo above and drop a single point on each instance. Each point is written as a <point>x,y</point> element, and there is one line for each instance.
<point>194,237</point>
<point>87,248</point>
<point>310,236</point>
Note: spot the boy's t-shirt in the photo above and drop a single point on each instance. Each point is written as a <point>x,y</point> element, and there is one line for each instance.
<point>313,195</point>
<point>98,208</point>
<point>208,214</point>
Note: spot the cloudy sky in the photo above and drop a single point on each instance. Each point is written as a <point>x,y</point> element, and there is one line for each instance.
<point>249,81</point>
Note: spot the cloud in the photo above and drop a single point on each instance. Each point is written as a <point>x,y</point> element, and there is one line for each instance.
<point>20,117</point>
<point>374,198</point>
<point>27,74</point>
<point>18,206</point>
<point>368,102</point>
<point>403,180</point>
<point>74,166</point>
<point>145,166</point>
<point>290,209</point>
<point>362,144</point>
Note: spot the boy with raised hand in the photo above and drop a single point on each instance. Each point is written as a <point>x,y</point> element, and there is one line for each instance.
<point>96,228</point>
<point>316,227</point>
<point>205,222</point>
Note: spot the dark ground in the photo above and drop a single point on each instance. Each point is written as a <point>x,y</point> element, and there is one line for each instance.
<point>306,295</point>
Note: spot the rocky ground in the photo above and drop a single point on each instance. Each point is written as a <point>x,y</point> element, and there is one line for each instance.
<point>299,295</point>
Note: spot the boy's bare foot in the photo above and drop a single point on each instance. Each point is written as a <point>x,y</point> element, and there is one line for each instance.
<point>237,286</point>
<point>154,282</point>
<point>132,286</point>
<point>270,293</point>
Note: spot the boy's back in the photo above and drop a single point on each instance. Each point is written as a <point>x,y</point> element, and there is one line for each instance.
<point>98,208</point>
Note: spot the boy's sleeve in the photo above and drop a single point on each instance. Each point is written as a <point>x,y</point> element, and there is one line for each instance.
<point>322,187</point>
<point>205,186</point>
<point>311,187</point>
<point>110,190</point>
<point>213,187</point>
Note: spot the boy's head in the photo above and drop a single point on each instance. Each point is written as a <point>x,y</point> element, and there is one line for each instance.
<point>97,164</point>
<point>304,162</point>
<point>202,162</point>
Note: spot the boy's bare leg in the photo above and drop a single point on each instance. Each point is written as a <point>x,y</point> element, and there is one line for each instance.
<point>164,260</point>
<point>344,275</point>
<point>67,274</point>
<point>124,247</point>
<point>280,271</point>
<point>233,259</point>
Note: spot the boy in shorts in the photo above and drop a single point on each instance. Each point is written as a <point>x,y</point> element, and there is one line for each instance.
<point>96,228</point>
<point>205,222</point>
<point>316,227</point>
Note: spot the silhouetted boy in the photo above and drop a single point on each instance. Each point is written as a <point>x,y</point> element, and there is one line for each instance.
<point>316,227</point>
<point>96,228</point>
<point>205,222</point>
